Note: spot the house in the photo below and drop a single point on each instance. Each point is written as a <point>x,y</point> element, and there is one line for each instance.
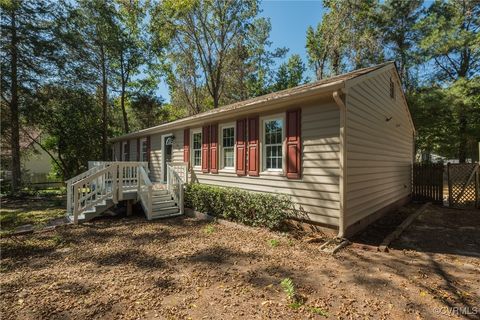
<point>342,147</point>
<point>36,163</point>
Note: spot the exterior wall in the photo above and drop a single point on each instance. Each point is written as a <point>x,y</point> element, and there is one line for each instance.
<point>379,152</point>
<point>156,157</point>
<point>133,150</point>
<point>156,152</point>
<point>37,161</point>
<point>317,192</point>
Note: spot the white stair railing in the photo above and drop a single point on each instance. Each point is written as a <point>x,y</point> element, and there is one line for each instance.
<point>145,191</point>
<point>176,183</point>
<point>94,189</point>
<point>107,180</point>
<point>79,177</point>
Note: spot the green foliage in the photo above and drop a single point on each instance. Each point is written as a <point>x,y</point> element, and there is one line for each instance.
<point>201,37</point>
<point>397,21</point>
<point>68,118</point>
<point>451,39</point>
<point>347,38</point>
<point>289,289</point>
<point>319,311</point>
<point>448,119</point>
<point>255,209</point>
<point>209,229</point>
<point>273,243</point>
<point>37,212</point>
<point>290,74</point>
<point>58,240</point>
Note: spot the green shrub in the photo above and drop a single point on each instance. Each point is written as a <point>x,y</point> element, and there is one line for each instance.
<point>254,209</point>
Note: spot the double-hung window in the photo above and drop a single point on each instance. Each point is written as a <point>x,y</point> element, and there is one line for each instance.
<point>143,150</point>
<point>228,146</point>
<point>273,144</point>
<point>197,148</point>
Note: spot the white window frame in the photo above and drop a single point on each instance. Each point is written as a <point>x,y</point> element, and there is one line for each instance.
<point>124,145</point>
<point>142,159</point>
<point>222,164</point>
<point>192,151</point>
<point>263,153</point>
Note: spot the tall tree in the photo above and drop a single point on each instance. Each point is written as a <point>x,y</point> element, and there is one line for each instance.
<point>148,110</point>
<point>397,20</point>
<point>26,34</point>
<point>131,51</point>
<point>347,38</point>
<point>451,41</point>
<point>90,35</point>
<point>64,115</point>
<point>451,38</point>
<point>206,31</point>
<point>290,74</point>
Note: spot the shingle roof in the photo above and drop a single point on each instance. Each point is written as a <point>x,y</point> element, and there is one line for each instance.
<point>261,99</point>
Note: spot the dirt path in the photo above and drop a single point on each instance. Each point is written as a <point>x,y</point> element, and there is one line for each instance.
<point>184,268</point>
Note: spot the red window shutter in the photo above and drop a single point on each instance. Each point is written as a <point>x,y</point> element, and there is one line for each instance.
<point>214,148</point>
<point>186,146</point>
<point>148,150</point>
<point>253,152</point>
<point>294,144</point>
<point>205,145</point>
<point>240,145</point>
<point>138,149</point>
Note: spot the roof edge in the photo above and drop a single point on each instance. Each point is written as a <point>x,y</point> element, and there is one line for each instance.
<point>232,108</point>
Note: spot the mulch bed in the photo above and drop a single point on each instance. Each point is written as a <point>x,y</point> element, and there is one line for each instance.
<point>185,268</point>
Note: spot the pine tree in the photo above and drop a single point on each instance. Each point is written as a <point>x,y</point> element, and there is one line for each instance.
<point>27,37</point>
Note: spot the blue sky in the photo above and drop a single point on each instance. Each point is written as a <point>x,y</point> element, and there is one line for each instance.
<point>290,20</point>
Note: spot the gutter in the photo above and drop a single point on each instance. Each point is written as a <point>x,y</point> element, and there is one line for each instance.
<point>343,161</point>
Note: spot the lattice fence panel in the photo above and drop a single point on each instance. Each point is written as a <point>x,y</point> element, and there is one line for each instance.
<point>463,185</point>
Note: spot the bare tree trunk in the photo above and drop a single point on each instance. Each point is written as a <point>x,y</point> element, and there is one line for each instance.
<point>124,111</point>
<point>104,104</point>
<point>122,96</point>
<point>462,146</point>
<point>336,62</point>
<point>15,135</point>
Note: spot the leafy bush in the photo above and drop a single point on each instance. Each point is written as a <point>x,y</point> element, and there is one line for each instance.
<point>254,209</point>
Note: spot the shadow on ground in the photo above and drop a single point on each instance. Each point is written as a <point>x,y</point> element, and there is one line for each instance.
<point>436,230</point>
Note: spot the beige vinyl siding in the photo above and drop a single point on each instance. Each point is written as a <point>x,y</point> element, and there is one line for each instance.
<point>156,157</point>
<point>116,150</point>
<point>133,150</point>
<point>156,152</point>
<point>177,155</point>
<point>317,193</point>
<point>379,152</point>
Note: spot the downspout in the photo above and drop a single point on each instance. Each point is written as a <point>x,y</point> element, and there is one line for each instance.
<point>343,162</point>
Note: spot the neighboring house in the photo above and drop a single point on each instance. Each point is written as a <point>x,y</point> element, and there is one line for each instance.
<point>36,163</point>
<point>342,147</point>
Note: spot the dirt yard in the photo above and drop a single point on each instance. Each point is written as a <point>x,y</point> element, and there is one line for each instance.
<point>189,269</point>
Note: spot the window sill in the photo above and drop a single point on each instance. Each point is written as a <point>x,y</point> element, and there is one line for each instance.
<point>232,170</point>
<point>272,173</point>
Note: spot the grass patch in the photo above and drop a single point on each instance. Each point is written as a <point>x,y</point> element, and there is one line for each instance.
<point>209,229</point>
<point>18,212</point>
<point>273,243</point>
<point>319,311</point>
